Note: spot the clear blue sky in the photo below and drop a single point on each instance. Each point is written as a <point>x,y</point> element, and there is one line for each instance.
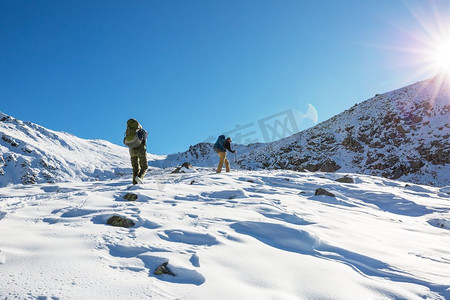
<point>191,69</point>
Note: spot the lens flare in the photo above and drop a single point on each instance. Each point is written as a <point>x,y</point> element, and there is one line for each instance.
<point>441,57</point>
<point>423,41</point>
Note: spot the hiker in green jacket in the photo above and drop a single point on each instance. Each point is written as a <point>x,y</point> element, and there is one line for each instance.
<point>136,140</point>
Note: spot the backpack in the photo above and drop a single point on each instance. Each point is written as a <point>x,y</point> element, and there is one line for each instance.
<point>219,143</point>
<point>135,135</point>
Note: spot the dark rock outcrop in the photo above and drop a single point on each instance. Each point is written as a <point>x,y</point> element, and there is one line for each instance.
<point>329,166</point>
<point>163,269</point>
<point>130,197</point>
<point>120,222</point>
<point>184,166</point>
<point>321,191</point>
<point>345,179</point>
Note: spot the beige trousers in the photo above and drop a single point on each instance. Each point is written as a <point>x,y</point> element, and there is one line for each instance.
<point>223,159</point>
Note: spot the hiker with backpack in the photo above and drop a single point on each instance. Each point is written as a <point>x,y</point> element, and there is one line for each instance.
<point>136,140</point>
<point>221,146</point>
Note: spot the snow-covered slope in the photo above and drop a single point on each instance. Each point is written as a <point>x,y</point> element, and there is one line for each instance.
<point>244,235</point>
<point>400,134</point>
<point>30,153</point>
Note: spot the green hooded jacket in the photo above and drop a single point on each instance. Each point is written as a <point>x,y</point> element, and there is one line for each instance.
<point>132,127</point>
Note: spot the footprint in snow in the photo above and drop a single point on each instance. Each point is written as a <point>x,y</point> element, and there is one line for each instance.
<point>342,200</point>
<point>192,238</point>
<point>226,194</point>
<point>440,223</point>
<point>58,189</point>
<point>195,260</point>
<point>68,215</point>
<point>289,218</point>
<point>131,251</point>
<point>51,220</point>
<point>187,198</point>
<point>269,191</point>
<point>77,212</point>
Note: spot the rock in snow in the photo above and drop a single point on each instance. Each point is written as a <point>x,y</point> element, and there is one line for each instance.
<point>321,191</point>
<point>164,269</point>
<point>130,197</point>
<point>118,221</point>
<point>186,167</point>
<point>345,179</point>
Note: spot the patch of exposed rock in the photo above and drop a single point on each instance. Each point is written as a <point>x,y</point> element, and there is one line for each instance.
<point>321,191</point>
<point>118,221</point>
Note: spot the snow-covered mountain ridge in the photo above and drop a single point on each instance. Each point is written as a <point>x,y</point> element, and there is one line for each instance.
<point>30,153</point>
<point>400,134</point>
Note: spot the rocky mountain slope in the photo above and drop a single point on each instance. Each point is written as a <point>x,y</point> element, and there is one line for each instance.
<point>400,134</point>
<point>30,153</point>
<point>403,134</point>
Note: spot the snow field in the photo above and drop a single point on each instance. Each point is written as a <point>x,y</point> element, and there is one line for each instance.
<point>241,235</point>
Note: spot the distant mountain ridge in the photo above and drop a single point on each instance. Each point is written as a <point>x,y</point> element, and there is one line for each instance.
<point>400,134</point>
<point>403,134</point>
<point>30,153</point>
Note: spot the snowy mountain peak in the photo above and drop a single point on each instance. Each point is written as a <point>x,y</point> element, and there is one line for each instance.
<point>400,134</point>
<point>30,153</point>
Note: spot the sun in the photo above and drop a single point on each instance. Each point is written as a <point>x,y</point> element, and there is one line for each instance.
<point>441,57</point>
<point>421,46</point>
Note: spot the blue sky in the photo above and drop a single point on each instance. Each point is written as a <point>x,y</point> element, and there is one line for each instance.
<point>188,70</point>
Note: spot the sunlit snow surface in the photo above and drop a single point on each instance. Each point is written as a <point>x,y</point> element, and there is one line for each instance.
<point>242,235</point>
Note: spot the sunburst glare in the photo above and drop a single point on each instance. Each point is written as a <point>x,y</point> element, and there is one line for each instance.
<point>425,44</point>
<point>441,57</point>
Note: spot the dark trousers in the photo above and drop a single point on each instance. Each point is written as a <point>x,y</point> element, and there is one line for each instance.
<point>140,166</point>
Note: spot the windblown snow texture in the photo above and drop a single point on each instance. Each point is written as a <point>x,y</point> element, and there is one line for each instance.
<point>245,235</point>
